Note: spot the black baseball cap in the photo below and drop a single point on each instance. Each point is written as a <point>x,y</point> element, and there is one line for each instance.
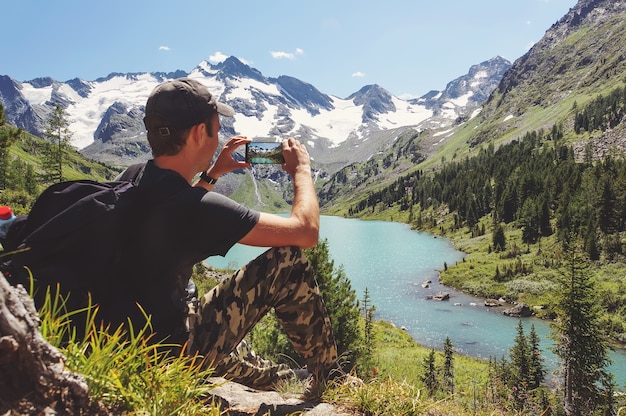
<point>180,104</point>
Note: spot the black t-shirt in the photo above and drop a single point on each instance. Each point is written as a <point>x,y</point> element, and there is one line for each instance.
<point>202,222</point>
<point>179,226</point>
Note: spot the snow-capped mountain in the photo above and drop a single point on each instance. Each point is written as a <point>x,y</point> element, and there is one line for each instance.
<point>466,92</point>
<point>105,115</point>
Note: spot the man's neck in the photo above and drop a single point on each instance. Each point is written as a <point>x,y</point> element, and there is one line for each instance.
<point>175,163</point>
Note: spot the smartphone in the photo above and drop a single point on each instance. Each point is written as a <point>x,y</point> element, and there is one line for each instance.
<point>264,152</point>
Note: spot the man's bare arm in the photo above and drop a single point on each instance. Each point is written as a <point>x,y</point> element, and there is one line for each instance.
<point>301,228</point>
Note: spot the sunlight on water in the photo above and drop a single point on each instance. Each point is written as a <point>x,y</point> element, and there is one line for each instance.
<point>392,262</point>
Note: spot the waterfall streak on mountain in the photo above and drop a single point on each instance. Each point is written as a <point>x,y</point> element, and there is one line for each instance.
<point>256,187</point>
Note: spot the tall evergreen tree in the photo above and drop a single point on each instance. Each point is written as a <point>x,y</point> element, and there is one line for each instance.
<point>368,314</point>
<point>579,341</point>
<point>606,206</point>
<point>545,228</point>
<point>448,366</point>
<point>430,373</point>
<point>537,371</point>
<point>366,363</point>
<point>499,239</point>
<point>530,221</point>
<point>59,135</point>
<point>519,355</point>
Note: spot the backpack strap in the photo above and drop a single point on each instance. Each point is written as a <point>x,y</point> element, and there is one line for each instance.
<point>133,173</point>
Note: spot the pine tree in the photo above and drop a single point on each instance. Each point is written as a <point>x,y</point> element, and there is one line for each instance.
<point>430,373</point>
<point>501,377</point>
<point>448,366</point>
<point>530,221</point>
<point>606,206</point>
<point>579,341</point>
<point>368,314</point>
<point>519,355</point>
<point>366,364</point>
<point>520,368</point>
<point>545,228</point>
<point>59,135</point>
<point>499,239</point>
<point>537,371</point>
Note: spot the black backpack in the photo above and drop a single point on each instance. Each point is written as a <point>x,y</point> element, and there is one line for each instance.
<point>77,236</point>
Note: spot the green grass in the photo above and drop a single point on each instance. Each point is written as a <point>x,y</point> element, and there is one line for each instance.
<point>124,371</point>
<point>395,385</point>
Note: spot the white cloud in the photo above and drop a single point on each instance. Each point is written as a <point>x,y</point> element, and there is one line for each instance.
<point>406,96</point>
<point>217,57</point>
<point>244,61</point>
<point>281,55</point>
<point>164,48</point>
<point>286,55</point>
<point>358,74</point>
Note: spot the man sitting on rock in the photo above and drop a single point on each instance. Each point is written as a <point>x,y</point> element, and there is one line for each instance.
<point>182,119</point>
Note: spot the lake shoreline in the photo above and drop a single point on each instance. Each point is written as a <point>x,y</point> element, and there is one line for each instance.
<point>392,261</point>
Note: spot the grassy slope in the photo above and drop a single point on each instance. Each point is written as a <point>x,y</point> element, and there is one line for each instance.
<point>28,149</point>
<point>397,388</point>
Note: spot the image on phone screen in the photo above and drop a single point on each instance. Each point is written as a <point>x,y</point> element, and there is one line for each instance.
<point>264,153</point>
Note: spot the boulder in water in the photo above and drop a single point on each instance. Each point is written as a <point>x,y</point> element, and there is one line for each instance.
<point>521,310</point>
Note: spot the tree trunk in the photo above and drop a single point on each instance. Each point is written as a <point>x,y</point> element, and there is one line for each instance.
<point>33,378</point>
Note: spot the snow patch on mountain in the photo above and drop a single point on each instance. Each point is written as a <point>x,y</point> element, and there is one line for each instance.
<point>335,125</point>
<point>85,114</point>
<point>36,96</point>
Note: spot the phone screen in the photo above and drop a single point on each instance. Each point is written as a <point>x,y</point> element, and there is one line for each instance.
<point>264,153</point>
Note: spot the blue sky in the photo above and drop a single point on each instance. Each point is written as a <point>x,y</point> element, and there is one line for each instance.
<point>408,47</point>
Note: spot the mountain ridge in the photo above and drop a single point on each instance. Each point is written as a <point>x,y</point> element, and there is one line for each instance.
<point>105,114</point>
<point>579,56</point>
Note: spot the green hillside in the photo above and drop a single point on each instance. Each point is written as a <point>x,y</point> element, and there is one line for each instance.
<point>22,172</point>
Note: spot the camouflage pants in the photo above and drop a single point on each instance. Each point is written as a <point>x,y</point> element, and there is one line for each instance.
<point>281,278</point>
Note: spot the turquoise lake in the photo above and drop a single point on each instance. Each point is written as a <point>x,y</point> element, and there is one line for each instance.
<point>392,261</point>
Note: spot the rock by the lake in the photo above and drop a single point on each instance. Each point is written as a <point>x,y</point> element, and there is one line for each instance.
<point>491,303</point>
<point>521,310</point>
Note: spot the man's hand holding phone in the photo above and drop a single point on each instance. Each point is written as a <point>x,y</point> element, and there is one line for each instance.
<point>289,153</point>
<point>225,162</point>
<point>264,152</point>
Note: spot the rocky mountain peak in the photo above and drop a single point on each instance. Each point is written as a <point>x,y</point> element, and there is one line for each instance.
<point>234,68</point>
<point>305,94</point>
<point>467,92</point>
<point>375,100</point>
<point>478,81</point>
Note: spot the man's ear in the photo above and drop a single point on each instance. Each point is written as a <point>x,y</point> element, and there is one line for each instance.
<point>196,132</point>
